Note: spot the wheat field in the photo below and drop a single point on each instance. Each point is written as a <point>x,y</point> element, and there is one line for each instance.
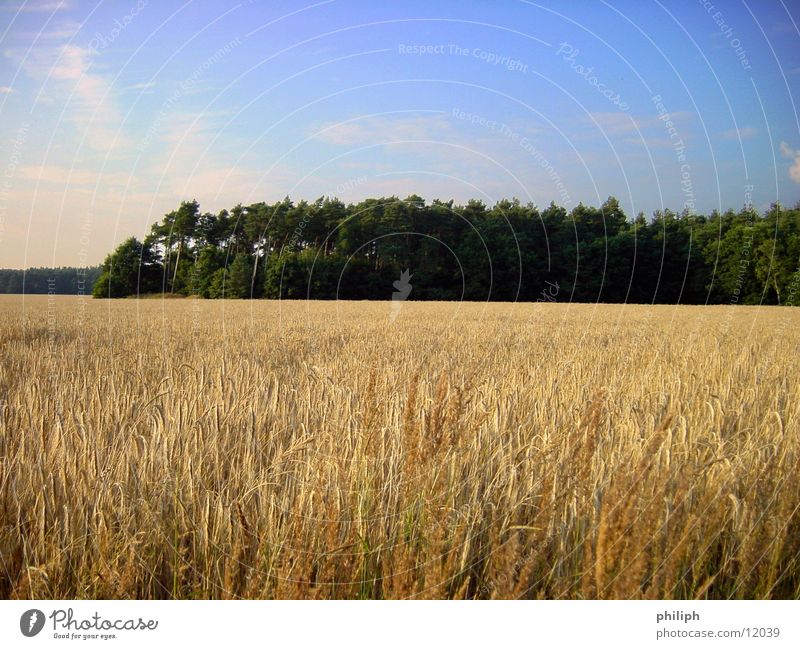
<point>227,449</point>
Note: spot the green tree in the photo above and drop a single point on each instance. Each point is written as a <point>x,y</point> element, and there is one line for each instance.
<point>240,277</point>
<point>131,269</point>
<point>778,259</point>
<point>327,250</point>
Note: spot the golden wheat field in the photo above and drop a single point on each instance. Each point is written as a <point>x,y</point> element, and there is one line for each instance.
<point>226,449</point>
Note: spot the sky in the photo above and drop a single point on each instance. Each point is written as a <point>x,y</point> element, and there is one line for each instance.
<point>112,113</point>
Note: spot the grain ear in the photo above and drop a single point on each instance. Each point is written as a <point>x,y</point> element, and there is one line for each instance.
<point>310,450</point>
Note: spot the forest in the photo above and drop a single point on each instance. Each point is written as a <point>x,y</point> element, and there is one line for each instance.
<point>511,251</point>
<point>66,280</point>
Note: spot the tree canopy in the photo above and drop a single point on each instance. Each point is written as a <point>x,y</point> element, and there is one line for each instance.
<point>510,251</point>
<point>64,280</point>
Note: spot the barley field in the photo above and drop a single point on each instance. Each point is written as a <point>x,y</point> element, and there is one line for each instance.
<point>236,449</point>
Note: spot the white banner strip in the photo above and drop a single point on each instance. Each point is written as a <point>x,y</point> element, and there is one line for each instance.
<point>407,624</point>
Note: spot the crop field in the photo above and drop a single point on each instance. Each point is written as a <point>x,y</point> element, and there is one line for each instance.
<point>262,449</point>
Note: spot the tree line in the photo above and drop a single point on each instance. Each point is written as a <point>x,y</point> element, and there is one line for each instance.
<point>511,251</point>
<point>66,280</point>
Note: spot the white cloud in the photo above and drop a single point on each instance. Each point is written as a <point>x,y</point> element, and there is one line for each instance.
<point>5,90</point>
<point>71,177</point>
<point>32,6</point>
<point>65,30</point>
<point>371,130</point>
<point>613,123</point>
<point>745,133</point>
<point>650,142</point>
<point>145,85</point>
<point>789,152</point>
<point>187,162</point>
<point>66,74</point>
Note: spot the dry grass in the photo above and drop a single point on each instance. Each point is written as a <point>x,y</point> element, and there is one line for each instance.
<point>195,449</point>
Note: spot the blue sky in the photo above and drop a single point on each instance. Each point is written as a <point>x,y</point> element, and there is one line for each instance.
<point>113,112</point>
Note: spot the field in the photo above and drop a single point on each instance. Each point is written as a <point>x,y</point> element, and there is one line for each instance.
<point>235,449</point>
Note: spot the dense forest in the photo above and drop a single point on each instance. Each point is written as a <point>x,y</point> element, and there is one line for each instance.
<point>326,250</point>
<point>60,281</point>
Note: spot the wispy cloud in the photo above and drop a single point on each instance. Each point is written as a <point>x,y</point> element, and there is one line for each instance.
<point>614,123</point>
<point>189,161</point>
<point>745,133</point>
<point>5,90</point>
<point>68,177</point>
<point>145,85</point>
<point>392,128</point>
<point>34,6</point>
<point>64,31</point>
<point>650,142</point>
<point>784,27</point>
<point>66,74</point>
<point>794,154</point>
